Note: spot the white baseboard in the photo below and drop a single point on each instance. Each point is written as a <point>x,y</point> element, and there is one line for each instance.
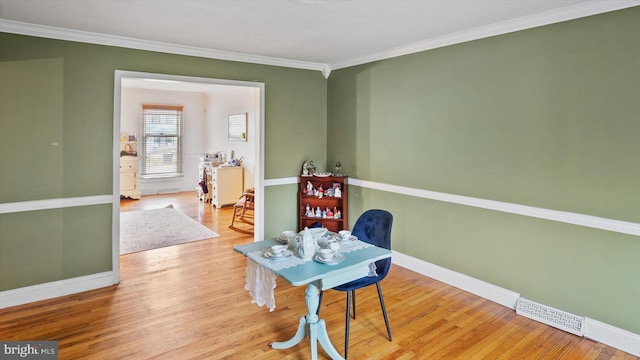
<point>594,330</point>
<point>612,336</point>
<point>55,289</point>
<point>483,289</point>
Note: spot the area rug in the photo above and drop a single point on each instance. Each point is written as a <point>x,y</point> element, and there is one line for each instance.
<point>150,229</point>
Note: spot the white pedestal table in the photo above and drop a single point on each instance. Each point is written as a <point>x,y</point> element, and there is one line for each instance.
<point>317,276</point>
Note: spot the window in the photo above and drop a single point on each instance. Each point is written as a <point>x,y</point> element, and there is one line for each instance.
<point>161,140</point>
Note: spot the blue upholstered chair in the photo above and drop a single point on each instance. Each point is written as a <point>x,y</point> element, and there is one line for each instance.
<point>373,227</point>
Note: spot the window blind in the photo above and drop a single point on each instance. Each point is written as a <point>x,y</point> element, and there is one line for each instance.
<point>162,140</point>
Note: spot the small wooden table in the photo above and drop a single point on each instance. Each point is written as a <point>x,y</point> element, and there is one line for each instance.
<point>319,277</point>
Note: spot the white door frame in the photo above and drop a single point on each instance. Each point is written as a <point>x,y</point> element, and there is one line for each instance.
<point>259,151</point>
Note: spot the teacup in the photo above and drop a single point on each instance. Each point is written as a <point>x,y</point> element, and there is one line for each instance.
<point>344,234</point>
<point>326,254</point>
<point>278,250</point>
<point>287,234</point>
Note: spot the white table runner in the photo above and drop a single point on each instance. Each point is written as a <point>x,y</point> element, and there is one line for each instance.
<point>261,277</point>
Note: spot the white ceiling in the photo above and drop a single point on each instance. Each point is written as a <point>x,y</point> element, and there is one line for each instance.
<point>313,34</point>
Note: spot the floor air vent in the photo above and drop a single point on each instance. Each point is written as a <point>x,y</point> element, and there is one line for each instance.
<point>550,316</point>
<point>168,191</point>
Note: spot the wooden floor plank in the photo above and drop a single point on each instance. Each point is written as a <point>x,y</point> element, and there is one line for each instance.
<point>188,302</point>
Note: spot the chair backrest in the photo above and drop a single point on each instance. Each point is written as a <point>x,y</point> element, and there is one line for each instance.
<point>374,227</point>
<point>249,200</point>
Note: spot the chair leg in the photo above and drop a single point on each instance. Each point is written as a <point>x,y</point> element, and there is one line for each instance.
<point>353,303</point>
<point>233,217</point>
<point>384,310</point>
<point>347,321</point>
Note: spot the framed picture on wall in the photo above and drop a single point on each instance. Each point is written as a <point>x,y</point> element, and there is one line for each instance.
<point>238,127</point>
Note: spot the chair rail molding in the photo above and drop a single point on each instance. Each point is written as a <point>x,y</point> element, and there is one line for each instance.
<point>57,203</point>
<point>624,227</point>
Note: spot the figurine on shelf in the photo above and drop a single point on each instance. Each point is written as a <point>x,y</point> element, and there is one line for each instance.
<point>318,212</point>
<point>339,169</point>
<point>309,188</point>
<point>337,192</point>
<point>320,191</point>
<point>329,213</point>
<point>308,168</point>
<point>338,215</point>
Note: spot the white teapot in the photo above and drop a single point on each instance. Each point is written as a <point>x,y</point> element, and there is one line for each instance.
<point>307,246</point>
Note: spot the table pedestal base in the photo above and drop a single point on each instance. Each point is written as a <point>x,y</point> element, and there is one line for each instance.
<point>312,327</point>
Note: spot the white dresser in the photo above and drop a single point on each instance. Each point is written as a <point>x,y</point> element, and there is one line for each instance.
<point>129,186</point>
<point>227,184</point>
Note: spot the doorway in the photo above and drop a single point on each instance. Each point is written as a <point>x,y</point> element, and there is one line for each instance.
<point>167,82</point>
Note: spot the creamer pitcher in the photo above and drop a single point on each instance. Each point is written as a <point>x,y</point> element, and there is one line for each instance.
<point>307,246</point>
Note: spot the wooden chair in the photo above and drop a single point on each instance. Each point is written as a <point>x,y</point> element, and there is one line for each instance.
<point>243,209</point>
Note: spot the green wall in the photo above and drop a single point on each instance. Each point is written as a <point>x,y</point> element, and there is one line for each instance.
<point>547,117</point>
<point>62,92</point>
<point>50,245</point>
<point>37,137</point>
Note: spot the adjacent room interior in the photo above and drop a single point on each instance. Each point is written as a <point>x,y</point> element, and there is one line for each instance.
<point>205,157</point>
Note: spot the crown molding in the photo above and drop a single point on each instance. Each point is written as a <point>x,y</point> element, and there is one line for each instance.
<point>550,17</point>
<point>22,28</point>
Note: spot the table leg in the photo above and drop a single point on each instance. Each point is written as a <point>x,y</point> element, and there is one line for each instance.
<point>323,338</point>
<point>302,327</point>
<point>311,326</point>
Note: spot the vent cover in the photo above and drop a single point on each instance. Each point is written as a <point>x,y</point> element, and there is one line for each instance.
<point>550,316</point>
<point>168,191</point>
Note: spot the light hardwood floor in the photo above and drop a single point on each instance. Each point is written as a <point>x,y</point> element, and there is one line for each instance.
<point>188,302</point>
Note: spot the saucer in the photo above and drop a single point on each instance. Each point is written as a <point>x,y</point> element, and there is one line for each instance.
<point>338,258</point>
<point>282,239</point>
<point>269,255</point>
<point>350,238</point>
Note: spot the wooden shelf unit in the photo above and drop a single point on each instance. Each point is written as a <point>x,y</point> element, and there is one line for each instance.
<point>340,203</point>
